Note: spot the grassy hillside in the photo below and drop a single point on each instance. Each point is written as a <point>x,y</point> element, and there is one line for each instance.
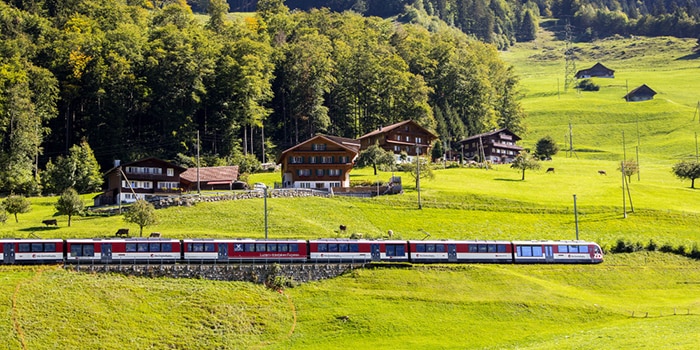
<point>629,301</point>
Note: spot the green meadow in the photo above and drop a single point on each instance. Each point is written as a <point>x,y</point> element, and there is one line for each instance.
<point>633,300</point>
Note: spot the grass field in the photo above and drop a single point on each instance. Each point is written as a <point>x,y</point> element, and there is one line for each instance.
<point>631,301</point>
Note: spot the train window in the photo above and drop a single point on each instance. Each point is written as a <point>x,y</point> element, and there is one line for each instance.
<point>401,250</point>
<point>491,248</point>
<point>272,247</point>
<point>283,247</point>
<point>167,247</point>
<point>209,247</point>
<point>536,251</point>
<point>142,247</point>
<point>24,247</point>
<point>501,248</point>
<point>293,248</point>
<point>333,247</point>
<point>573,249</point>
<point>260,247</point>
<point>343,248</point>
<point>420,248</point>
<point>583,249</point>
<point>563,249</point>
<point>430,248</point>
<point>440,248</point>
<point>37,247</point>
<point>49,247</point>
<point>196,247</point>
<point>354,248</point>
<point>249,247</point>
<point>482,248</point>
<point>154,247</point>
<point>473,248</point>
<point>130,247</point>
<point>524,251</point>
<point>323,247</point>
<point>88,250</point>
<point>390,250</point>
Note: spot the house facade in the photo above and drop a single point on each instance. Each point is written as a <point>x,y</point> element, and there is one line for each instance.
<point>406,136</point>
<point>210,178</point>
<point>321,162</point>
<point>496,146</point>
<point>642,93</point>
<point>141,179</point>
<point>597,71</point>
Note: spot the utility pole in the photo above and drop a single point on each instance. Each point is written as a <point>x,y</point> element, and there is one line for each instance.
<point>569,56</point>
<point>576,217</point>
<point>624,203</point>
<point>265,207</point>
<point>199,190</point>
<point>119,186</point>
<point>263,143</point>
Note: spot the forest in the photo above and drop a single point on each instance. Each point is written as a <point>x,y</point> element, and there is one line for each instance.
<point>125,79</point>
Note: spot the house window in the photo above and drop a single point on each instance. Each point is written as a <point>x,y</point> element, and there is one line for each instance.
<point>304,172</point>
<point>398,137</point>
<point>171,172</point>
<point>334,184</point>
<point>319,172</point>
<point>397,148</point>
<point>327,160</point>
<point>343,159</point>
<point>318,146</point>
<point>168,185</point>
<point>419,140</point>
<point>334,172</point>
<point>313,160</point>
<point>408,139</point>
<point>296,160</point>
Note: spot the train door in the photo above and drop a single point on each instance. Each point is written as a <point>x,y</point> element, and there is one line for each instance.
<point>106,252</point>
<point>9,252</point>
<point>223,252</point>
<point>376,253</point>
<point>548,253</point>
<point>452,253</point>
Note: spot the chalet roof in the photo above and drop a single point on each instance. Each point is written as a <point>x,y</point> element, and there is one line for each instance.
<point>643,90</point>
<point>491,133</point>
<point>598,67</point>
<point>388,128</point>
<point>147,159</point>
<point>351,145</point>
<point>219,174</point>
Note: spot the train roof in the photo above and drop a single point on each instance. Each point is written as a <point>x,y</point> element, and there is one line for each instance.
<point>570,242</point>
<point>450,241</point>
<point>239,240</point>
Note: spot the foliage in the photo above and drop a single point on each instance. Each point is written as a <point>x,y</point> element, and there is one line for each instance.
<point>687,170</point>
<point>247,163</point>
<point>69,203</point>
<point>15,204</point>
<point>587,85</point>
<point>524,161</point>
<point>374,156</point>
<point>546,147</point>
<point>141,213</point>
<point>79,170</point>
<point>437,151</point>
<point>3,213</point>
<point>629,168</point>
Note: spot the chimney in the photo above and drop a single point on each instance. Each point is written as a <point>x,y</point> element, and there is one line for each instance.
<point>117,162</point>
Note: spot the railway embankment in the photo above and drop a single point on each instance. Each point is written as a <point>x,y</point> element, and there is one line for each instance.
<point>278,274</point>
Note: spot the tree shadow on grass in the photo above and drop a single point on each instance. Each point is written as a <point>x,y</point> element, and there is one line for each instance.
<point>508,180</point>
<point>39,229</point>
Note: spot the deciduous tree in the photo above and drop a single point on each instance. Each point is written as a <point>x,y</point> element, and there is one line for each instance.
<point>17,205</point>
<point>546,147</point>
<point>141,213</point>
<point>687,170</point>
<point>524,161</point>
<point>375,155</point>
<point>69,203</point>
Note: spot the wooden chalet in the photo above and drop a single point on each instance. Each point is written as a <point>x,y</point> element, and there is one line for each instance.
<point>597,71</point>
<point>497,146</point>
<point>406,136</point>
<point>141,179</point>
<point>321,162</point>
<point>642,93</point>
<point>210,178</point>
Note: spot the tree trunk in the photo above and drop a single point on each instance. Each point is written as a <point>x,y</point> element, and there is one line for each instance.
<point>375,168</point>
<point>16,220</point>
<point>69,216</point>
<point>523,179</point>
<point>692,185</point>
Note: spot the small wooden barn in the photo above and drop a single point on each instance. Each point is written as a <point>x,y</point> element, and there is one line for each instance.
<point>642,93</point>
<point>597,71</point>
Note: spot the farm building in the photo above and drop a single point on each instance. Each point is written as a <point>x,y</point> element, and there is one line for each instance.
<point>497,146</point>
<point>597,71</point>
<point>642,93</point>
<point>210,178</point>
<point>406,136</point>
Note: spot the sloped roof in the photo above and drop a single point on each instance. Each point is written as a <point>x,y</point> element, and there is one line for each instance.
<point>641,90</point>
<point>388,128</point>
<point>494,132</point>
<point>596,68</point>
<point>351,145</point>
<point>215,173</point>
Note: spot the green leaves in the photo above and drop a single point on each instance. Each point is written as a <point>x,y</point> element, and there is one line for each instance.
<point>141,213</point>
<point>69,203</point>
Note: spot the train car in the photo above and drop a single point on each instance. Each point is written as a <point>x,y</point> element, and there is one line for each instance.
<point>348,250</point>
<point>461,251</point>
<point>558,252</point>
<point>136,250</point>
<point>241,250</point>
<point>31,251</point>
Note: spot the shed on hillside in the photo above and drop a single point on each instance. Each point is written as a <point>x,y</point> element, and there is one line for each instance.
<point>597,71</point>
<point>642,93</point>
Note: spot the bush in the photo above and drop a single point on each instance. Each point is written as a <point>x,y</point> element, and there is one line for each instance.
<point>666,248</point>
<point>587,85</point>
<point>652,246</point>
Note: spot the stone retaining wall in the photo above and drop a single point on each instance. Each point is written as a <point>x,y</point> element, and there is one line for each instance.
<point>256,273</point>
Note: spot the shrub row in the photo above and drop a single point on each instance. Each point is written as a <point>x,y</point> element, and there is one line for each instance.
<point>629,247</point>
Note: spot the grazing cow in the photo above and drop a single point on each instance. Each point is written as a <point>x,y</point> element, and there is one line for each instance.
<point>122,232</point>
<point>602,172</point>
<point>549,170</point>
<point>50,222</point>
<point>343,228</point>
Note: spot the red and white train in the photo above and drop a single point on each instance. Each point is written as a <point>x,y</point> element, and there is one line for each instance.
<point>160,250</point>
